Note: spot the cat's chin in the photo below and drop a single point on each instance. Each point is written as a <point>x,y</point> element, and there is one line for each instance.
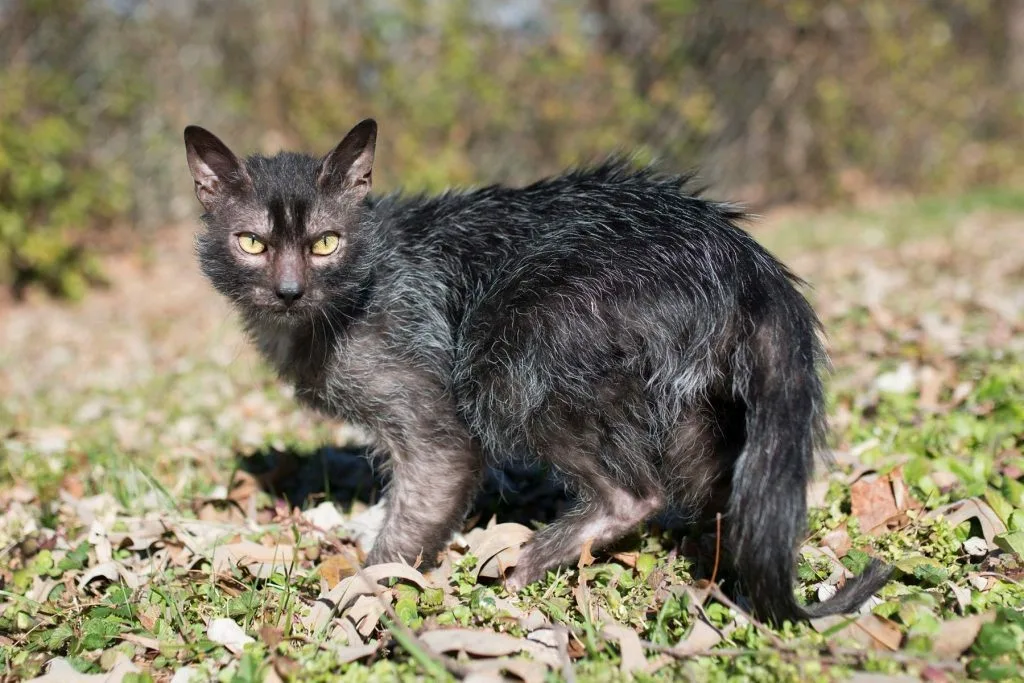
<point>280,315</point>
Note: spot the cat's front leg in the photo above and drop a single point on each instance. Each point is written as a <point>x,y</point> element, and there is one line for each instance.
<point>432,487</point>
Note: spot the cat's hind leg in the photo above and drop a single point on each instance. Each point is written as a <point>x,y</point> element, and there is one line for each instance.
<point>604,514</point>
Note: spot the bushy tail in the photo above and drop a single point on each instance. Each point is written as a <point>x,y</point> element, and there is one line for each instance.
<point>777,378</point>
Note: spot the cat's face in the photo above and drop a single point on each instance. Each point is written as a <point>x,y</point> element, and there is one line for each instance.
<point>280,239</point>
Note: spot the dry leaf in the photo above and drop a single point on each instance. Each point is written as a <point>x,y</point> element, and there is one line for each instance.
<point>141,641</point>
<point>586,558</point>
<point>972,508</point>
<point>487,644</point>
<point>957,635</point>
<point>630,649</point>
<point>869,630</point>
<point>362,583</point>
<point>627,558</point>
<point>226,632</point>
<point>702,637</point>
<point>345,654</point>
<point>59,671</point>
<point>497,548</point>
<point>838,540</point>
<point>324,517</point>
<point>258,560</point>
<point>334,568</point>
<point>523,669</point>
<point>365,613</point>
<point>111,571</point>
<point>879,501</point>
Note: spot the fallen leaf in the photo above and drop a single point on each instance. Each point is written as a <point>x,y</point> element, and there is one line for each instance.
<point>226,632</point>
<point>702,637</point>
<point>956,635</point>
<point>334,568</point>
<point>141,641</point>
<point>627,558</point>
<point>878,501</point>
<point>838,540</point>
<point>492,669</point>
<point>487,644</point>
<point>869,630</point>
<point>586,558</point>
<point>972,508</point>
<point>975,546</point>
<point>366,612</point>
<point>630,649</point>
<point>345,654</point>
<point>324,517</point>
<point>111,571</point>
<point>60,671</point>
<point>497,548</point>
<point>362,583</point>
<point>258,560</point>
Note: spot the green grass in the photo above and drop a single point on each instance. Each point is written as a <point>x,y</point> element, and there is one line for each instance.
<point>160,444</point>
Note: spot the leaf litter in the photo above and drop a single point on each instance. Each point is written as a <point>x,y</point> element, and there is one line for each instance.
<point>111,569</point>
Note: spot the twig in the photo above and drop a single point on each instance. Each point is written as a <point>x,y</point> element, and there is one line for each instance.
<point>718,546</point>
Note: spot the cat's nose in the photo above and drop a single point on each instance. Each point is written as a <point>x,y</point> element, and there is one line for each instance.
<point>289,291</point>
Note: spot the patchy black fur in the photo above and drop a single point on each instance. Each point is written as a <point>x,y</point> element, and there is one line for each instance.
<point>606,322</point>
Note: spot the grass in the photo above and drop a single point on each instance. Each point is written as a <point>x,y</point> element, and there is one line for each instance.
<point>125,445</point>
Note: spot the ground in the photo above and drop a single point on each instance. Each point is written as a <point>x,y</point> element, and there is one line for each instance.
<point>167,511</point>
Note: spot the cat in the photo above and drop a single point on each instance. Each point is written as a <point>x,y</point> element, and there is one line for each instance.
<point>607,322</point>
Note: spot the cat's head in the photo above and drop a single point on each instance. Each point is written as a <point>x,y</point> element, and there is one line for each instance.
<point>282,232</point>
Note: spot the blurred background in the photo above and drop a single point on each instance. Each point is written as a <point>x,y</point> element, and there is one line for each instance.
<point>776,101</point>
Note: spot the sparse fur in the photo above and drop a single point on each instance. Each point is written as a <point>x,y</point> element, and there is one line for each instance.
<point>607,322</point>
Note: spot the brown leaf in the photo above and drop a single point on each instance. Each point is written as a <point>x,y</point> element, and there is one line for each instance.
<point>838,540</point>
<point>350,653</point>
<point>586,558</point>
<point>258,560</point>
<point>957,635</point>
<point>271,636</point>
<point>630,649</point>
<point>523,669</point>
<point>869,630</point>
<point>481,643</point>
<point>59,671</point>
<point>334,568</point>
<point>349,589</point>
<point>876,502</point>
<point>972,508</point>
<point>627,558</point>
<point>497,548</point>
<point>367,611</point>
<point>702,637</point>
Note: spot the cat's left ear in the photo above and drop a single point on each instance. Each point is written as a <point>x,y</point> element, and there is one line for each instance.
<point>349,166</point>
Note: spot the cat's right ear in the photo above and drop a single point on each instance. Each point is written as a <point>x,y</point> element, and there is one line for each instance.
<point>215,169</point>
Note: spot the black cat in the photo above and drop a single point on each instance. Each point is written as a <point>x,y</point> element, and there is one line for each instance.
<point>605,322</point>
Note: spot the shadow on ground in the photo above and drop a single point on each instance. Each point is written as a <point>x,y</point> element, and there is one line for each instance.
<point>515,493</point>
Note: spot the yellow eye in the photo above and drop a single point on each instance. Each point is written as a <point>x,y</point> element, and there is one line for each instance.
<point>251,244</point>
<point>326,245</point>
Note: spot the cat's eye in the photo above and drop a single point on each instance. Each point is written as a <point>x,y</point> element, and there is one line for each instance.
<point>326,245</point>
<point>251,244</point>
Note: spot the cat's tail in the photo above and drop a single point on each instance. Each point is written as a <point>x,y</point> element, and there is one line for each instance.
<point>776,376</point>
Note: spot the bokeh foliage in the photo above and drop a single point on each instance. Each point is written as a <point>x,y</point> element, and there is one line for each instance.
<point>776,100</point>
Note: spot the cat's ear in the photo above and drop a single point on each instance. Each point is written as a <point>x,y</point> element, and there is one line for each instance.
<point>349,166</point>
<point>215,168</point>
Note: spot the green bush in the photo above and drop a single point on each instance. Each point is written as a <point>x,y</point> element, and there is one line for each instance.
<point>52,192</point>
